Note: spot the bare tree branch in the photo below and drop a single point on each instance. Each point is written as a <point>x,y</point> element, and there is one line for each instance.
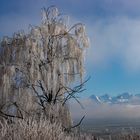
<point>78,124</point>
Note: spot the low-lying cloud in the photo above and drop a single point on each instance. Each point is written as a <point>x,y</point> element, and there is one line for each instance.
<point>115,40</point>
<point>105,111</point>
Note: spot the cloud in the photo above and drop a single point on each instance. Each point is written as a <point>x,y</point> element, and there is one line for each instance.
<point>104,111</point>
<point>9,26</point>
<point>115,39</point>
<point>102,8</point>
<point>112,39</point>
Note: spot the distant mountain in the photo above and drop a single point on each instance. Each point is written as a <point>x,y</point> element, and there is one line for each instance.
<point>105,98</point>
<point>125,95</point>
<point>124,98</point>
<point>95,99</point>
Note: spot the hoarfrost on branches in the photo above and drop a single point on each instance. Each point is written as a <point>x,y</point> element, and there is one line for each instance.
<point>51,53</point>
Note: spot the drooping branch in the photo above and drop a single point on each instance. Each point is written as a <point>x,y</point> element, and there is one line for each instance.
<point>72,91</point>
<point>74,126</point>
<point>6,116</point>
<point>44,64</point>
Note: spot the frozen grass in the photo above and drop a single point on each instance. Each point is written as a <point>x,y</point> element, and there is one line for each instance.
<point>42,129</point>
<point>127,137</point>
<point>31,129</point>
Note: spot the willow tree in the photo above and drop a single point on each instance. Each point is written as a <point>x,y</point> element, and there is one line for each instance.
<point>38,69</point>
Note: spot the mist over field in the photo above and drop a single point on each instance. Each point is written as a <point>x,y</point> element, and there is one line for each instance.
<point>104,111</point>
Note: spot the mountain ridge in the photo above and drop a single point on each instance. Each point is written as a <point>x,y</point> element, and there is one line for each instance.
<point>124,98</point>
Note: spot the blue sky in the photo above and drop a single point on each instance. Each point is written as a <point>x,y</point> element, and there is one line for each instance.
<point>113,59</point>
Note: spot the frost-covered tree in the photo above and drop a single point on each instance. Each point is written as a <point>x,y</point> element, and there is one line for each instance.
<point>38,69</point>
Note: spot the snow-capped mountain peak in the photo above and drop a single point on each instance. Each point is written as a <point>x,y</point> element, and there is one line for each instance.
<point>124,98</point>
<point>95,98</point>
<point>124,95</point>
<point>105,98</point>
